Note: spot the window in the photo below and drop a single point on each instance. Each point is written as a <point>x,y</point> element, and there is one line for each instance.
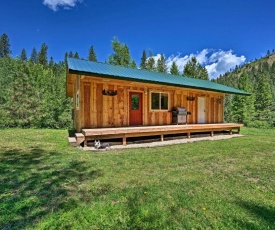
<point>159,101</point>
<point>135,102</point>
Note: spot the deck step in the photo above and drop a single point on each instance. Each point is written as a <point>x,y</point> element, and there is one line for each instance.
<point>72,141</point>
<point>77,139</point>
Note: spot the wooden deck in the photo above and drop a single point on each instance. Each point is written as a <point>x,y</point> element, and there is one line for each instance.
<point>126,132</point>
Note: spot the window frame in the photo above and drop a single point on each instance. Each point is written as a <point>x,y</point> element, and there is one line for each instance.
<point>160,93</point>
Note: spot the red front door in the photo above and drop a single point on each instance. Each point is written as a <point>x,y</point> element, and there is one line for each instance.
<point>135,109</point>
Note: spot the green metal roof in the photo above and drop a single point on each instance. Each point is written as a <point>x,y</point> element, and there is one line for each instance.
<point>119,72</point>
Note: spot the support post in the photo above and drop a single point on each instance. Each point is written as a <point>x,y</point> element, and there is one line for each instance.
<point>239,130</point>
<point>188,135</point>
<point>212,134</point>
<point>124,140</point>
<point>230,132</point>
<point>161,137</point>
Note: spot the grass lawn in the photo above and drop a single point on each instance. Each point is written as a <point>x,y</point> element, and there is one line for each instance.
<point>225,184</point>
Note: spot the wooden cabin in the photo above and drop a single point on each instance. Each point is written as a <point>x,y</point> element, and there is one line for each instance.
<point>108,98</point>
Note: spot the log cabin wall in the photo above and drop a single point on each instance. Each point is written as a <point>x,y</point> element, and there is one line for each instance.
<point>97,110</point>
<point>76,102</point>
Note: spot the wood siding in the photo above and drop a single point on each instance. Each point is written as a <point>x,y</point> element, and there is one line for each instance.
<point>100,111</point>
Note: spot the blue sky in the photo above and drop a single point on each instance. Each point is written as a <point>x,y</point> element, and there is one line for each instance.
<point>220,33</point>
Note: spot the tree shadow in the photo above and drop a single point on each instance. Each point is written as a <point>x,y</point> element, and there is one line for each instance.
<point>36,183</point>
<point>265,215</point>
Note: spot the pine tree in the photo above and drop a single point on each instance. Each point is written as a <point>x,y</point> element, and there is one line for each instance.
<point>51,63</point>
<point>23,102</point>
<point>263,101</point>
<point>92,54</point>
<point>174,69</point>
<point>161,65</point>
<point>143,60</point>
<point>133,65</point>
<point>243,110</point>
<point>202,73</point>
<point>65,58</point>
<point>121,55</point>
<point>5,50</point>
<point>70,55</point>
<point>151,64</point>
<point>272,73</point>
<point>33,96</point>
<point>265,67</point>
<point>34,56</point>
<point>76,55</point>
<point>23,55</point>
<point>193,69</point>
<point>228,108</point>
<point>43,55</point>
<point>190,68</point>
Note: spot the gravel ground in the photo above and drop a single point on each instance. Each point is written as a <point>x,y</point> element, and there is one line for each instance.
<point>164,143</point>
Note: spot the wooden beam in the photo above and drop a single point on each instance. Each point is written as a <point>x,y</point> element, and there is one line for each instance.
<point>124,140</point>
<point>125,132</point>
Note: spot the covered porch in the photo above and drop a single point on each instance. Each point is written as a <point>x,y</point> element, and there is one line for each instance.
<point>144,131</point>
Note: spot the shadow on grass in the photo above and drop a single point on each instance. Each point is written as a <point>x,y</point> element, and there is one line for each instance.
<point>264,214</point>
<point>36,183</point>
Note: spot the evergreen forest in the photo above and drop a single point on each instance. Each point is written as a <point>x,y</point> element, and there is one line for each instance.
<point>33,88</point>
<point>258,78</point>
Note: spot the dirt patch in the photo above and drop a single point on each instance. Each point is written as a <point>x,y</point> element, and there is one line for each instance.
<point>254,180</point>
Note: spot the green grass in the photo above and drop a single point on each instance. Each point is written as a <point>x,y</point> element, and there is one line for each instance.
<point>225,184</point>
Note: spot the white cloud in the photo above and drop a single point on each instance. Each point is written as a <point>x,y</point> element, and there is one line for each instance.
<point>224,61</point>
<point>202,56</point>
<point>66,4</point>
<point>215,61</point>
<point>156,57</point>
<point>180,61</point>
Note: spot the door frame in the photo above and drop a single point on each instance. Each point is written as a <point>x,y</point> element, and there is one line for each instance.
<point>142,105</point>
<point>199,114</point>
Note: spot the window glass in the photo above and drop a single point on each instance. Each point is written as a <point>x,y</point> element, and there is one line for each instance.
<point>154,100</point>
<point>159,101</point>
<point>135,102</point>
<point>164,101</point>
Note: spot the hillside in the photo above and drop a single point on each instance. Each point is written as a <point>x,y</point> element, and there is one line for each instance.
<point>261,83</point>
<point>264,65</point>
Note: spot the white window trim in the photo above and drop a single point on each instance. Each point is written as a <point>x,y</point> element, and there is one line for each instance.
<point>159,110</point>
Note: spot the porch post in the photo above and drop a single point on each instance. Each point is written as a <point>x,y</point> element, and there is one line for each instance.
<point>124,139</point>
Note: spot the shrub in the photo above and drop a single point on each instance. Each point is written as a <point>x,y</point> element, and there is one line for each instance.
<point>259,124</point>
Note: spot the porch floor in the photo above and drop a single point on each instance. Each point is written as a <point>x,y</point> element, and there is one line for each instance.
<point>140,131</point>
